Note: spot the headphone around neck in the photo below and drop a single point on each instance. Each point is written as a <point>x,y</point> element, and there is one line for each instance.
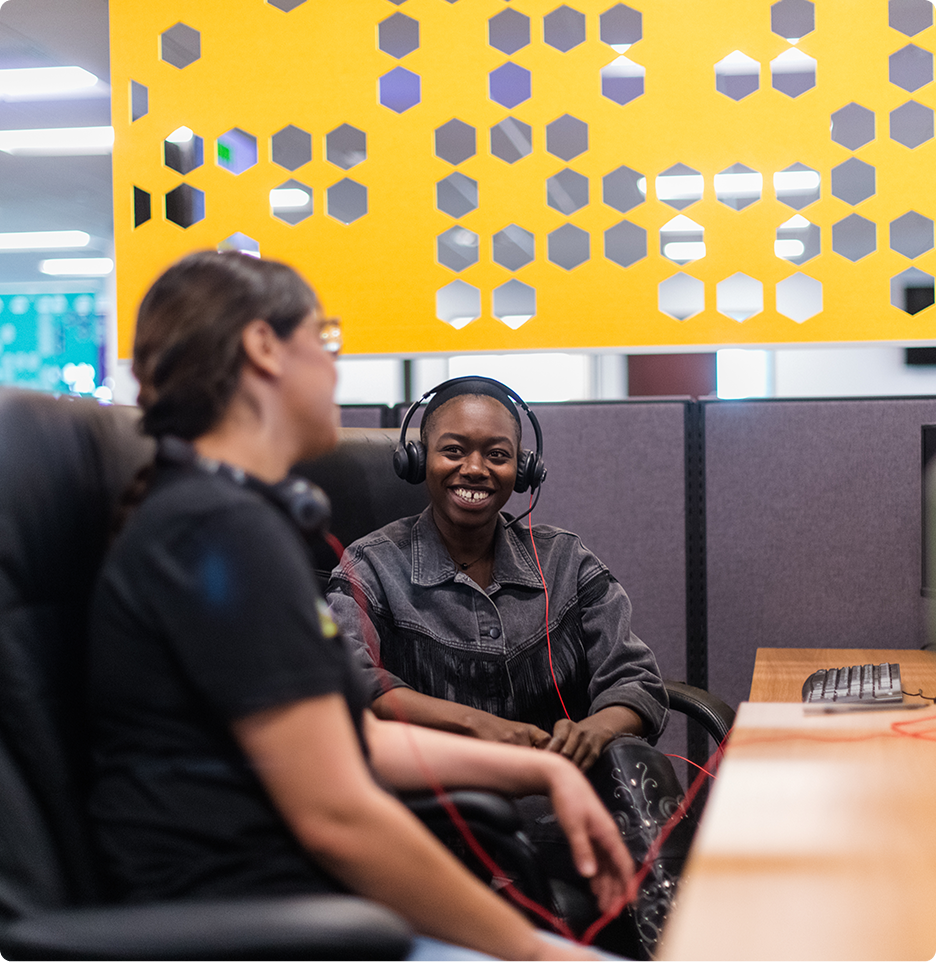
<point>409,457</point>
<point>305,503</point>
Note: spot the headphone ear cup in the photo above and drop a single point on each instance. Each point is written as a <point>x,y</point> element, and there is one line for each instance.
<point>409,462</point>
<point>530,471</point>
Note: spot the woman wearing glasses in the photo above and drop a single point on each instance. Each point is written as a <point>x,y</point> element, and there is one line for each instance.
<point>233,753</point>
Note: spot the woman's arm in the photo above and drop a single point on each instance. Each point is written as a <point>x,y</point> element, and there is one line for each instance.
<point>410,757</point>
<point>406,704</point>
<point>307,755</point>
<point>581,742</point>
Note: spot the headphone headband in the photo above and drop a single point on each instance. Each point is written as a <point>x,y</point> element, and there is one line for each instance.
<point>409,458</point>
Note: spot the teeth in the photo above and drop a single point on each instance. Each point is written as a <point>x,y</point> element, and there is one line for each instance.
<point>469,495</point>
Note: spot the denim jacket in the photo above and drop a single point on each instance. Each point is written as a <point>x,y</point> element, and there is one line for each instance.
<point>403,605</point>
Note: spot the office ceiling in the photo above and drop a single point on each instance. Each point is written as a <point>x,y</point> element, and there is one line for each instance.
<point>54,193</point>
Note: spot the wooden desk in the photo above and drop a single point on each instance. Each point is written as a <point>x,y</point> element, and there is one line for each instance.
<point>819,840</point>
<point>779,673</point>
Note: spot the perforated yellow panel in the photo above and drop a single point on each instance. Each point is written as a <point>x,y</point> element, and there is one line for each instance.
<point>465,175</point>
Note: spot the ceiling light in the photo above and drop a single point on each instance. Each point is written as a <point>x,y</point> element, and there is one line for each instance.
<point>77,266</point>
<point>61,141</point>
<point>40,83</point>
<point>43,240</point>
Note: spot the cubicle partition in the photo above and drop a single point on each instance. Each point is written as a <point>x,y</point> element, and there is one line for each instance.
<point>812,528</point>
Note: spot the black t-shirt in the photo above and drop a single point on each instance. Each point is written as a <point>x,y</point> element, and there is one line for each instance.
<point>206,611</point>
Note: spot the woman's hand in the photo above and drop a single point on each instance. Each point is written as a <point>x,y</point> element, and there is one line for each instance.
<point>490,728</point>
<point>594,838</point>
<point>581,742</point>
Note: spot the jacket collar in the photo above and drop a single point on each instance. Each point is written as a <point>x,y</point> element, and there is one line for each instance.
<point>432,565</point>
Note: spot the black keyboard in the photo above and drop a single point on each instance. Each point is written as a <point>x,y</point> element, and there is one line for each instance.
<point>852,688</point>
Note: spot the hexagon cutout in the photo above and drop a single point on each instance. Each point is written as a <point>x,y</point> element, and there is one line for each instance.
<point>911,67</point>
<point>912,290</point>
<point>511,140</point>
<point>399,90</point>
<point>286,5</point>
<point>738,186</point>
<point>458,304</point>
<point>793,72</point>
<point>739,297</point>
<point>853,181</point>
<point>455,141</point>
<point>681,296</point>
<point>797,240</point>
<point>854,237</point>
<point>509,85</point>
<point>142,206</point>
<point>185,205</point>
<point>853,126</point>
<point>180,45</point>
<point>797,186</point>
<point>623,189</point>
<point>457,195</point>
<point>568,246</point>
<point>910,16</point>
<point>398,35</point>
<point>291,147</point>
<point>236,150</point>
<point>183,150</point>
<point>625,243</point>
<point>799,297</point>
<point>139,101</point>
<point>346,146</point>
<point>793,19</point>
<point>457,248</point>
<point>291,202</point>
<point>622,80</point>
<point>682,240</point>
<point>514,303</point>
<point>346,201</point>
<point>242,243</point>
<point>911,124</point>
<point>911,234</point>
<point>513,247</point>
<point>509,31</point>
<point>567,191</point>
<point>564,28</point>
<point>620,26</point>
<point>737,75</point>
<point>567,137</point>
<point>679,186</point>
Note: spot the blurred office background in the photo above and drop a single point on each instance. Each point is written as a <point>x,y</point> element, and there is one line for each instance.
<point>57,298</point>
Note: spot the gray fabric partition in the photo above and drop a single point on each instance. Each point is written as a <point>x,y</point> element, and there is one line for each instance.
<point>365,416</point>
<point>813,528</point>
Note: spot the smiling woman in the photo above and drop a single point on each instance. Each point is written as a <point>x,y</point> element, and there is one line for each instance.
<point>479,627</point>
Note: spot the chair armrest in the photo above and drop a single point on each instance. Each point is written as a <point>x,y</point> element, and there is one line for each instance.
<point>714,715</point>
<point>291,927</point>
<point>497,812</point>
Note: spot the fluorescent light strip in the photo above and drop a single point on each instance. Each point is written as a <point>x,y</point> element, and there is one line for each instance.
<point>39,83</point>
<point>44,240</point>
<point>77,266</point>
<point>57,141</point>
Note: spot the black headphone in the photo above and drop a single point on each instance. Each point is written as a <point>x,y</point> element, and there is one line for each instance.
<point>409,457</point>
<point>305,503</point>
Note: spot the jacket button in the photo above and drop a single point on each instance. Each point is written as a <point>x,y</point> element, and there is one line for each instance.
<point>494,632</point>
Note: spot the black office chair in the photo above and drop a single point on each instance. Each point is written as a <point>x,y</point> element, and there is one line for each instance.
<point>63,465</point>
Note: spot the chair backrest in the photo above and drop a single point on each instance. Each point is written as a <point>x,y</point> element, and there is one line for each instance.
<point>364,490</point>
<point>63,465</point>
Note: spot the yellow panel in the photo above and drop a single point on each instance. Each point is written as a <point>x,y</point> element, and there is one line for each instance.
<point>318,66</point>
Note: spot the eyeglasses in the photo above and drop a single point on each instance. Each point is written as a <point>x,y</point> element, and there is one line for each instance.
<point>330,334</point>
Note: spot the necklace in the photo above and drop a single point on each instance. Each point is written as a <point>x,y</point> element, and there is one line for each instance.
<point>465,565</point>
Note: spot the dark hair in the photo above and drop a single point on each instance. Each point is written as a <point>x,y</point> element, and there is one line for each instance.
<point>474,387</point>
<point>187,352</point>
